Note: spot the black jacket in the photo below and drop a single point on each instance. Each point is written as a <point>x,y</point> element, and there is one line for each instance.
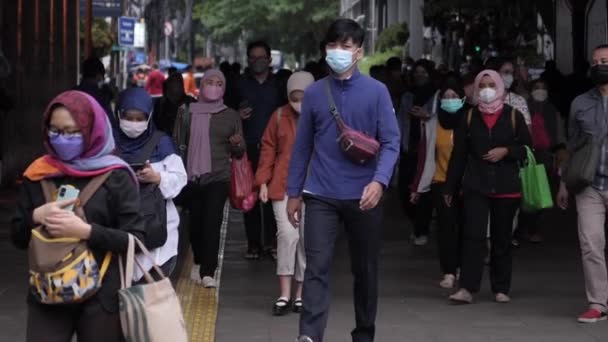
<point>112,212</point>
<point>472,142</point>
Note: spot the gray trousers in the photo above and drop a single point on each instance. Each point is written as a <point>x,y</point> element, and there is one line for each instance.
<point>591,205</point>
<point>291,258</point>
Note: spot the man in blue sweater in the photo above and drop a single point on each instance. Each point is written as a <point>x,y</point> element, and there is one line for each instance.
<point>337,190</point>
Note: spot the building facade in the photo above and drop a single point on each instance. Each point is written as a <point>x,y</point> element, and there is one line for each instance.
<point>575,26</point>
<point>39,40</point>
<point>376,15</point>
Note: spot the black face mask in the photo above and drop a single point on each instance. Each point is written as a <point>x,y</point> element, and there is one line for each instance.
<point>599,74</point>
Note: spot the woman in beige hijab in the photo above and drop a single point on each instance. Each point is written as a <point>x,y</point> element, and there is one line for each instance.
<point>271,177</point>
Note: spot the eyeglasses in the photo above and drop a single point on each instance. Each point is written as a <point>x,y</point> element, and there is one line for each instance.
<point>53,133</point>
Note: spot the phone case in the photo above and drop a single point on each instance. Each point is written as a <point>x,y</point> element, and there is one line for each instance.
<point>66,193</point>
<point>137,167</point>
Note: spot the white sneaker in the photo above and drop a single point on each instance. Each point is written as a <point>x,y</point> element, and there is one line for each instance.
<point>421,240</point>
<point>448,282</point>
<point>195,273</point>
<point>209,283</point>
<point>304,339</point>
<point>502,298</point>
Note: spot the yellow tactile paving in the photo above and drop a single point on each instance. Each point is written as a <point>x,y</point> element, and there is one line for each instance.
<point>199,306</point>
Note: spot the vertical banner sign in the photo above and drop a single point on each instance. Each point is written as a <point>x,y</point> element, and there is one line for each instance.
<point>126,31</point>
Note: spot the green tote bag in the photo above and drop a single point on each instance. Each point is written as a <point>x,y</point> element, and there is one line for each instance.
<point>535,185</point>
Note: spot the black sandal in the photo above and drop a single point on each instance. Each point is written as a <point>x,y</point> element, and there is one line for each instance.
<point>297,306</point>
<point>281,307</point>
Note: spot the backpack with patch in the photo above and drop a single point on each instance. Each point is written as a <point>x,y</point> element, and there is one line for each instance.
<point>64,270</point>
<point>153,206</point>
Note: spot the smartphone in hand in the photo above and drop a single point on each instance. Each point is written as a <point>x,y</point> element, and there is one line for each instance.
<point>137,166</point>
<point>66,193</point>
<point>245,110</point>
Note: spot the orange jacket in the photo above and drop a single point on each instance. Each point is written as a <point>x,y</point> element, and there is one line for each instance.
<point>278,139</point>
<point>190,85</point>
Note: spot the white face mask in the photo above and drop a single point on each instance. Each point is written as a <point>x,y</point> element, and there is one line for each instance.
<point>297,106</point>
<point>540,95</point>
<point>133,129</point>
<point>487,95</point>
<point>508,80</point>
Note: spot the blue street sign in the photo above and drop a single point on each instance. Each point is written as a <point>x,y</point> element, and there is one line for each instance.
<point>103,8</point>
<point>126,31</point>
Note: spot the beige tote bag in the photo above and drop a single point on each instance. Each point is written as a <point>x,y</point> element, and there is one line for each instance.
<point>149,312</point>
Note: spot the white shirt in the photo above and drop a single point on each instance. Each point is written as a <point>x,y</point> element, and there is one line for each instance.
<point>173,178</point>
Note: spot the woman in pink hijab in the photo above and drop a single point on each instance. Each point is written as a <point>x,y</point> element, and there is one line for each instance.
<point>488,145</point>
<point>209,139</point>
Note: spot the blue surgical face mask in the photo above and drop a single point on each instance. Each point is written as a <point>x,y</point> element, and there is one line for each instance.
<point>452,105</point>
<point>339,60</point>
<point>67,147</point>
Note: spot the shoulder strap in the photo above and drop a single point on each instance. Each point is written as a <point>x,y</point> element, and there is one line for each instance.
<point>149,147</point>
<point>469,117</point>
<point>88,192</point>
<point>435,103</point>
<point>48,189</point>
<point>92,187</point>
<point>514,120</point>
<point>332,105</point>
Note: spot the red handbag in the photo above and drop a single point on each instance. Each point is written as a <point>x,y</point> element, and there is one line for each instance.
<point>359,147</point>
<point>242,196</point>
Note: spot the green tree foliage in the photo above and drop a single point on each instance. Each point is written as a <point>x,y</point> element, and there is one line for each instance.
<point>102,38</point>
<point>392,36</point>
<point>294,26</point>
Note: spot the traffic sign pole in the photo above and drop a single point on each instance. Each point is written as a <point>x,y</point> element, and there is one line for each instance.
<point>126,40</point>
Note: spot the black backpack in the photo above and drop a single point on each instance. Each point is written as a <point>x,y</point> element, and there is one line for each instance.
<point>153,206</point>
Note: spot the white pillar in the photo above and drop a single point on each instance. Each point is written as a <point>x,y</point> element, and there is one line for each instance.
<point>392,12</point>
<point>597,32</point>
<point>415,25</point>
<point>563,37</point>
<point>373,26</point>
<point>404,11</point>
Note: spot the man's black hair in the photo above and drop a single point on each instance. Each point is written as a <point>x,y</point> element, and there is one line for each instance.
<point>236,69</point>
<point>394,63</point>
<point>258,44</point>
<point>539,80</point>
<point>452,81</point>
<point>500,62</point>
<point>172,70</point>
<point>378,72</point>
<point>342,30</point>
<point>91,67</point>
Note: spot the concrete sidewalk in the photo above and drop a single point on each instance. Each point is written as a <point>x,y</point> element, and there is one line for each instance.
<point>13,280</point>
<point>547,294</point>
